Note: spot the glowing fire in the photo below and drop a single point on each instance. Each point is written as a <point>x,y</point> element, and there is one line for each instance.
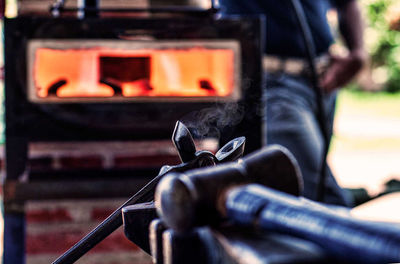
<point>107,72</point>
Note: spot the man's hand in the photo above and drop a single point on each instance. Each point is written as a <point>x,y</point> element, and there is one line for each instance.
<point>342,70</point>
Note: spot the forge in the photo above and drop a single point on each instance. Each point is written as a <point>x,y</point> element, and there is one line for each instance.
<point>105,70</point>
<point>96,74</point>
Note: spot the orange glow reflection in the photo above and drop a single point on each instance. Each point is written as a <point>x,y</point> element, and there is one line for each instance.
<point>106,72</point>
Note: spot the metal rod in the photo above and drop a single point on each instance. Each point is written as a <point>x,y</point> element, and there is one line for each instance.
<point>193,10</point>
<point>311,55</point>
<point>108,226</point>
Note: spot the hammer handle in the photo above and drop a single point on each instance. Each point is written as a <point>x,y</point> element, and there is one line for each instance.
<point>341,235</point>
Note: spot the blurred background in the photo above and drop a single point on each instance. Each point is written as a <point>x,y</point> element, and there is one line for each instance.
<point>365,152</point>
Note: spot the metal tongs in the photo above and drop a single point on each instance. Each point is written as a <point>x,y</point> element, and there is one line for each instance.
<point>190,158</point>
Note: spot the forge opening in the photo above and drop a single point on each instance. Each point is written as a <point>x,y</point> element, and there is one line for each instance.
<point>106,72</point>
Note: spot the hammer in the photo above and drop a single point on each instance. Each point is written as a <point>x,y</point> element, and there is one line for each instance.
<point>189,199</point>
<point>207,196</point>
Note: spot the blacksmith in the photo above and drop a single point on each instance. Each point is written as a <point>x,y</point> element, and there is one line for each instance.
<point>291,104</point>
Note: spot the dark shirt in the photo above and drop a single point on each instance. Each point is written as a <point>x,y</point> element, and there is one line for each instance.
<point>283,35</point>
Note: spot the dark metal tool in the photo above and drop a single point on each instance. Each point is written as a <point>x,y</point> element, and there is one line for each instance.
<point>183,142</point>
<point>189,199</point>
<point>205,196</point>
<point>137,218</point>
<point>185,145</point>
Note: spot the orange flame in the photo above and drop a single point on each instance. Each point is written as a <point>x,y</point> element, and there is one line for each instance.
<point>106,72</point>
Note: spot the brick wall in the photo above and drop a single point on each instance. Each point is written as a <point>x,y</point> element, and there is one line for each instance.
<point>88,155</point>
<point>54,226</point>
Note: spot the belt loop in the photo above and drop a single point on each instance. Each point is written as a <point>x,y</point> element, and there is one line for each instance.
<point>295,67</point>
<point>272,64</point>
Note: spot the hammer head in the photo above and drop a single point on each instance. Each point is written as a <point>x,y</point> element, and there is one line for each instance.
<point>188,199</point>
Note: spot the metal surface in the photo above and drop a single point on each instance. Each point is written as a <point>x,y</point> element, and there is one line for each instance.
<point>231,151</point>
<point>184,248</point>
<point>248,246</point>
<point>137,219</point>
<point>157,228</point>
<point>231,244</point>
<point>89,7</point>
<point>183,142</point>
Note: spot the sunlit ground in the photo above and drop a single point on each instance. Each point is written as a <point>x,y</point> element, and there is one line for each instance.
<point>365,151</point>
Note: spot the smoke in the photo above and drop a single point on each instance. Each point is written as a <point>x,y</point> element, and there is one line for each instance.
<point>210,122</point>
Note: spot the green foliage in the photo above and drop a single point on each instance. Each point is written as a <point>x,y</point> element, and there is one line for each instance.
<point>383,44</point>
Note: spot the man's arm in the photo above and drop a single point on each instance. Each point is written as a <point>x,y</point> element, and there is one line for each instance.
<point>343,69</point>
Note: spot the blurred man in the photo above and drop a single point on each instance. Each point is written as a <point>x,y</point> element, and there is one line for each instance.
<point>291,103</point>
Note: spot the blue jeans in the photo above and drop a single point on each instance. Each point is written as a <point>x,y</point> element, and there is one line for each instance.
<point>290,121</point>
